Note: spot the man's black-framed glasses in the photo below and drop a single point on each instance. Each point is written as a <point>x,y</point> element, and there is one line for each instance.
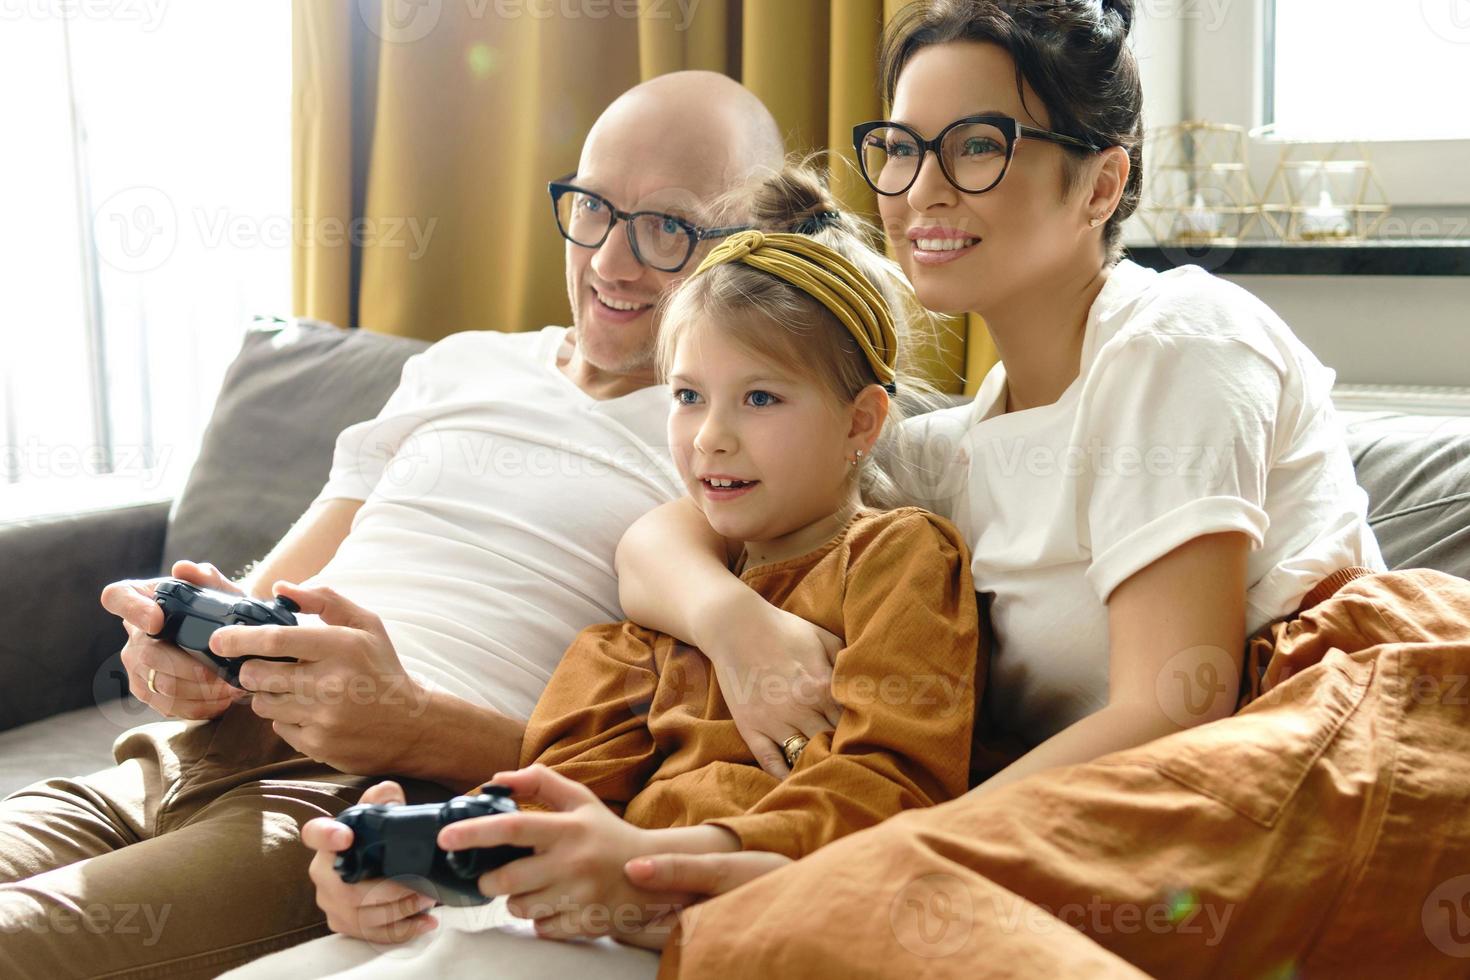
<point>661,241</point>
<point>974,153</point>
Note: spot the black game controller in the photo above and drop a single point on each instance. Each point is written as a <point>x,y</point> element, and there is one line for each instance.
<point>399,842</point>
<point>191,614</point>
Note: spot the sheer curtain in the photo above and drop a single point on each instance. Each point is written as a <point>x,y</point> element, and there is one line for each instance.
<point>147,202</point>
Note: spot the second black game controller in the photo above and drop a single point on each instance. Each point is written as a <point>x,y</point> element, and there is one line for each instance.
<point>399,842</point>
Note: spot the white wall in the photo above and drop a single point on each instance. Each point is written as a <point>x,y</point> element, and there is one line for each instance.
<point>1377,330</point>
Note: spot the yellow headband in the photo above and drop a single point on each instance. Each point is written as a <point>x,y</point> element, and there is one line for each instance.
<point>828,277</point>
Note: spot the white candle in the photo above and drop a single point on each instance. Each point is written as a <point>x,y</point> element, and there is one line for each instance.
<point>1198,221</point>
<point>1326,220</point>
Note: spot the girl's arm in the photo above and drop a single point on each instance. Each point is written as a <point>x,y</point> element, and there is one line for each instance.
<point>1176,639</point>
<point>674,576</point>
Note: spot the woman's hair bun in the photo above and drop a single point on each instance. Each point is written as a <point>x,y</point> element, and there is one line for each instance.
<point>1124,10</point>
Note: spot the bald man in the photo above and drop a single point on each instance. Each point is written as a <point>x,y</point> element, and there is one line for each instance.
<point>462,540</point>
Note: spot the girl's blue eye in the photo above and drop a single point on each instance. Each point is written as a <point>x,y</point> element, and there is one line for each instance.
<point>671,227</point>
<point>681,392</point>
<point>762,399</point>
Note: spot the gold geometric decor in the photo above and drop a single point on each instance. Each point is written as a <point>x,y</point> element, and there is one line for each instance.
<point>1323,193</point>
<point>1199,192</point>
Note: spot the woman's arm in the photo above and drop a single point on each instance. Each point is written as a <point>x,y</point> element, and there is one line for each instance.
<point>906,681</point>
<point>1176,638</point>
<point>674,576</point>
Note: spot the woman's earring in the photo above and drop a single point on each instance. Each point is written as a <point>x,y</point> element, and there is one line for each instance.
<point>857,456</point>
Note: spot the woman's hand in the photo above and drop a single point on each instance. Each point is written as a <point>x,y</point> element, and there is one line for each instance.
<point>774,668</point>
<point>775,672</point>
<point>381,910</point>
<point>573,885</point>
<point>696,876</point>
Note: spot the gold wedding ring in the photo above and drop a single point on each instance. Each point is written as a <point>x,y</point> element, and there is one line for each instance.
<point>791,748</point>
<point>151,674</point>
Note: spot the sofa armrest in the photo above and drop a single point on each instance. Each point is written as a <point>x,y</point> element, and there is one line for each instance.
<point>55,637</point>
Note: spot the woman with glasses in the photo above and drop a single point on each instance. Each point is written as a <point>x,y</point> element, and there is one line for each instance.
<point>1151,475</point>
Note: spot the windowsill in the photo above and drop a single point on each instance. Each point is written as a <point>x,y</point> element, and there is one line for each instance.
<point>42,499</point>
<point>1373,258</point>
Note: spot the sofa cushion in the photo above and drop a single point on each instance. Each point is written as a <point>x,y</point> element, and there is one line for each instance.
<point>73,743</point>
<point>1416,469</point>
<point>268,446</point>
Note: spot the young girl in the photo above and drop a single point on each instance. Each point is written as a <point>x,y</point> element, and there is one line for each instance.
<point>785,354</point>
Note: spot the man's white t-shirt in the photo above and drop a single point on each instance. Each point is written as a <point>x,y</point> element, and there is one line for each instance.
<point>495,492</point>
<point>1195,411</point>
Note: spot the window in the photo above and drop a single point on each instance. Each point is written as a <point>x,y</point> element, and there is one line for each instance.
<point>1367,69</point>
<point>1317,67</point>
<point>146,189</point>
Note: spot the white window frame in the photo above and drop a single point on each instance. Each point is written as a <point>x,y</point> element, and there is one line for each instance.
<point>1223,41</point>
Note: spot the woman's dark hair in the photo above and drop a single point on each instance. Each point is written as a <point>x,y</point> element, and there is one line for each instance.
<point>1074,54</point>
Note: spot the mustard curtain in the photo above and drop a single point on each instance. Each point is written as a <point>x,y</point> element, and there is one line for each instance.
<point>425,132</point>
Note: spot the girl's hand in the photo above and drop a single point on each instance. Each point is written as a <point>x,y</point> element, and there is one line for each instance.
<point>381,910</point>
<point>573,885</point>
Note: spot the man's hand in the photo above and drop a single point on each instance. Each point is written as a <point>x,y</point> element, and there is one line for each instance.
<point>181,686</point>
<point>775,672</point>
<point>574,885</point>
<point>380,911</point>
<point>349,702</point>
<point>698,876</point>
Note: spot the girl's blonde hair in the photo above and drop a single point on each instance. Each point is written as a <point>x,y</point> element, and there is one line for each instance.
<point>779,322</point>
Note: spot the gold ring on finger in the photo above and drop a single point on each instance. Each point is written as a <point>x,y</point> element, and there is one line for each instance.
<point>791,748</point>
<point>152,673</point>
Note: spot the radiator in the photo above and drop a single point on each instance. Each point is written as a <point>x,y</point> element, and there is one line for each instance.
<point>1407,399</point>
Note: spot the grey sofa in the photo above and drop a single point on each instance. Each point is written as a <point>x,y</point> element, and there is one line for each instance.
<point>267,451</point>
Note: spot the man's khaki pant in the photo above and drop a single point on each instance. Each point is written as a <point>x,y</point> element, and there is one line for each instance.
<point>1322,831</point>
<point>183,860</point>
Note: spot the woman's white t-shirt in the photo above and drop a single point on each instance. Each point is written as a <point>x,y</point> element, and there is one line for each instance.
<point>1196,411</point>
